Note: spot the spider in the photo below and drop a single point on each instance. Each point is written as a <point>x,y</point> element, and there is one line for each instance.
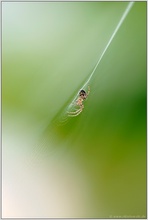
<point>79,102</point>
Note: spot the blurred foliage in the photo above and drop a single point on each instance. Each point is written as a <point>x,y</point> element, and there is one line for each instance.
<point>48,50</point>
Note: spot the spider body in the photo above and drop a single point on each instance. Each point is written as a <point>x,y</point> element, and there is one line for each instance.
<point>83,94</point>
<point>79,102</point>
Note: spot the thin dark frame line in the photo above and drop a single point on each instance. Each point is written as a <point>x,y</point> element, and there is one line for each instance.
<point>1,99</point>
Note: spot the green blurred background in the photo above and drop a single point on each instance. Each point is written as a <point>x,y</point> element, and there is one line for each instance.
<point>94,165</point>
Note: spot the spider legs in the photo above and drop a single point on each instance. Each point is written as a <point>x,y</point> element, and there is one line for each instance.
<point>73,114</point>
<point>88,90</point>
<point>77,112</point>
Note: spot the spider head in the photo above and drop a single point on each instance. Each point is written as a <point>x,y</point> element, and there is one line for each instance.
<point>82,94</point>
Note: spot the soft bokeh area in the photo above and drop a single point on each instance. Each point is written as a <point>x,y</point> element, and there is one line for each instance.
<point>92,165</point>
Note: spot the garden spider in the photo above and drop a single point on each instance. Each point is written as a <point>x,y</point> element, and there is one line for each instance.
<point>79,102</point>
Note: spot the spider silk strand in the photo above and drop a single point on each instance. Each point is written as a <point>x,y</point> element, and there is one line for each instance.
<point>110,40</point>
<point>129,6</point>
